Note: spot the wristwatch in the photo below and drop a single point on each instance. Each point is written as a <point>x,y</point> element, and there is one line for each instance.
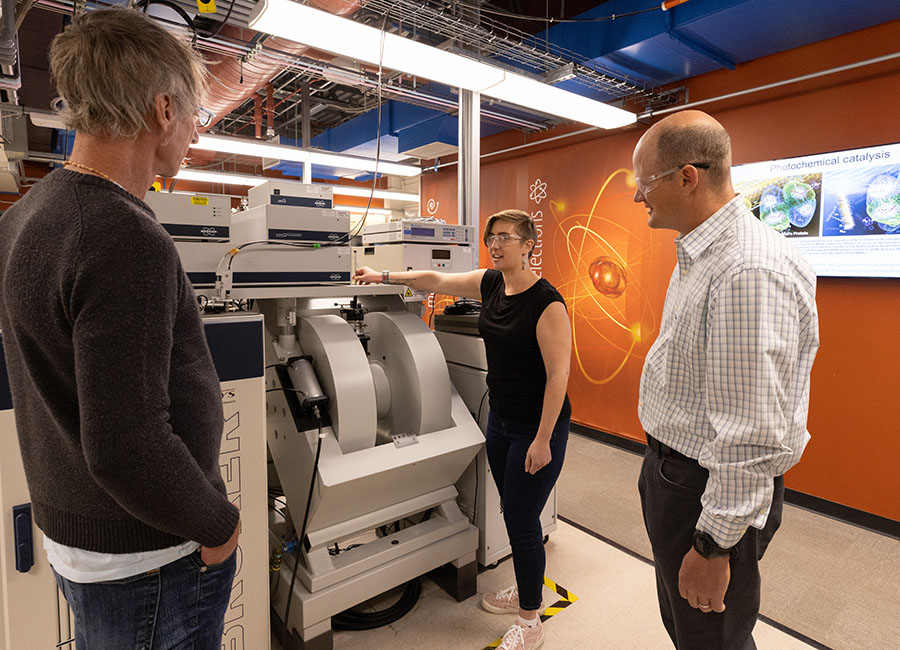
<point>706,546</point>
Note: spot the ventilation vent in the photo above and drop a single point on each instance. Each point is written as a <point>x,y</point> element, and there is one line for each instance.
<point>431,150</point>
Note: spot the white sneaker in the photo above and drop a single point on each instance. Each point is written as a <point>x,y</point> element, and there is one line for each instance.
<point>518,637</point>
<point>504,602</point>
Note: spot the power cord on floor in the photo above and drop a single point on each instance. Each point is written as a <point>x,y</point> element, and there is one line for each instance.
<point>353,619</point>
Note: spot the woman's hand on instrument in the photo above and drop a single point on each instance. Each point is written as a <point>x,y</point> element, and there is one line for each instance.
<point>365,275</point>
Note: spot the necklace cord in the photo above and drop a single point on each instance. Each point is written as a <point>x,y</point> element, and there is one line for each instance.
<point>78,165</point>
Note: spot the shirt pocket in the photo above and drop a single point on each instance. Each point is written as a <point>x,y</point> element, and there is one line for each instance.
<point>656,365</point>
<point>688,341</point>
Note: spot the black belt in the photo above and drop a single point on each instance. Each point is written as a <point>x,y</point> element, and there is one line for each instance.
<point>665,450</point>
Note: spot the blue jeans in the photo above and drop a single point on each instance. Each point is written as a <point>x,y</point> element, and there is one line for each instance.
<point>523,496</point>
<point>180,606</point>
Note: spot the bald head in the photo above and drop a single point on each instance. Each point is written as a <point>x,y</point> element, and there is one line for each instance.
<point>692,137</point>
<point>682,168</point>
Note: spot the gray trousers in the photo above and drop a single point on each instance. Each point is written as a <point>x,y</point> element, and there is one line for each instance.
<point>670,487</point>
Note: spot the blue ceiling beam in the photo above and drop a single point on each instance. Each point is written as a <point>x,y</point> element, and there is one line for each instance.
<point>717,58</point>
<point>444,128</point>
<point>659,47</point>
<point>395,116</point>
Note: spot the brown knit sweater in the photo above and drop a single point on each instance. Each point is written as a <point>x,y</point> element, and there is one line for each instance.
<point>117,404</point>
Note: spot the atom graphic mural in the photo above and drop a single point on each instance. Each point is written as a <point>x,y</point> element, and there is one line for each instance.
<point>538,191</point>
<point>599,257</point>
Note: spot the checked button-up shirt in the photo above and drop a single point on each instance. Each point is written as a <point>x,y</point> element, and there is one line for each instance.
<point>727,380</point>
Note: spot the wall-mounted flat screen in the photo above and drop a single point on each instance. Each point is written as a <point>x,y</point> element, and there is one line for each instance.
<point>841,209</point>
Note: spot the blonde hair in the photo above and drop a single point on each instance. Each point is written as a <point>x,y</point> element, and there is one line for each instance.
<point>111,64</point>
<point>521,221</point>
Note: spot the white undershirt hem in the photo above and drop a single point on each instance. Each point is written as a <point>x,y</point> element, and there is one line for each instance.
<point>79,565</point>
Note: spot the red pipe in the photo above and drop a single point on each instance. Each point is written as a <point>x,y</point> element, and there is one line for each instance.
<point>231,83</point>
<point>257,114</point>
<point>270,109</point>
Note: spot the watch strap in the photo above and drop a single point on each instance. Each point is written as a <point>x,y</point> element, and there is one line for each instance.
<point>706,546</point>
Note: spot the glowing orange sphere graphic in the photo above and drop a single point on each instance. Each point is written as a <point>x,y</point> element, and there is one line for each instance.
<point>607,276</point>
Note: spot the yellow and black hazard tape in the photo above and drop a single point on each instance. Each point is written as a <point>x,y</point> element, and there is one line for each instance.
<point>566,598</point>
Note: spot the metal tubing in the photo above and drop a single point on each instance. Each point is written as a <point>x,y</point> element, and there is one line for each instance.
<point>469,173</point>
<point>664,111</point>
<point>792,80</point>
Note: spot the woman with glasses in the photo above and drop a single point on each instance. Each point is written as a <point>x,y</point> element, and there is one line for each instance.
<point>527,338</point>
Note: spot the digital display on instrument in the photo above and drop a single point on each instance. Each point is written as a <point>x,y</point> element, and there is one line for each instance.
<point>440,254</point>
<point>841,209</point>
<point>418,231</point>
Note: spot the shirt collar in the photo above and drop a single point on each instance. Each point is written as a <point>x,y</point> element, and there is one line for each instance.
<point>692,245</point>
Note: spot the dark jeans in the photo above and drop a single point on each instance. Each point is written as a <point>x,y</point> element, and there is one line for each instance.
<point>523,496</point>
<point>180,606</point>
<point>670,489</point>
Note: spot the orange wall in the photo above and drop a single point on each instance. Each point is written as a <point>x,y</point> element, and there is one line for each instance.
<point>588,214</point>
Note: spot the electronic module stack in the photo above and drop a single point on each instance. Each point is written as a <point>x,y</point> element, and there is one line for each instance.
<point>200,225</point>
<point>416,245</point>
<point>290,235</point>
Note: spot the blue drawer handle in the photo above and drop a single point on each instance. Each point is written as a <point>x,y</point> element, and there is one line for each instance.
<point>23,538</point>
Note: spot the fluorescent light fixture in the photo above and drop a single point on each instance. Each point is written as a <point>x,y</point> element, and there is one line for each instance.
<point>390,195</point>
<point>342,36</point>
<point>527,92</point>
<point>245,147</point>
<point>362,164</point>
<point>361,209</point>
<point>247,180</point>
<point>325,31</point>
<point>219,177</point>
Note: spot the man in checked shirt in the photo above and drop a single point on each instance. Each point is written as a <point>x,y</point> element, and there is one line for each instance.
<point>725,387</point>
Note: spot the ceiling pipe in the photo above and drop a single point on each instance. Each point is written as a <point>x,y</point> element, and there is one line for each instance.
<point>257,115</point>
<point>270,110</point>
<point>234,80</point>
<point>776,84</point>
<point>673,109</point>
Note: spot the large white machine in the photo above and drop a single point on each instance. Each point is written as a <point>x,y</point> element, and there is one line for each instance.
<point>366,434</point>
<point>395,439</point>
<point>426,244</point>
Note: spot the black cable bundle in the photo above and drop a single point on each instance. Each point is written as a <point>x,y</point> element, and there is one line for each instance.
<point>300,540</point>
<point>353,619</point>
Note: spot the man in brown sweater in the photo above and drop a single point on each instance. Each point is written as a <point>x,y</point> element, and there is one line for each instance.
<point>118,407</point>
